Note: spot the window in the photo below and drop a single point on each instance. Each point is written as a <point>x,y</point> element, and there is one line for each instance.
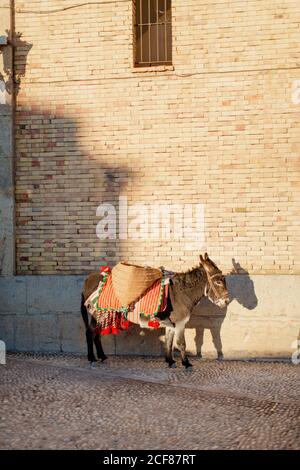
<point>153,32</point>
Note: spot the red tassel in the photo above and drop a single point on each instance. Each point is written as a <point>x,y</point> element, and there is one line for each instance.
<point>104,269</point>
<point>125,325</point>
<point>154,324</point>
<point>106,331</point>
<point>115,331</point>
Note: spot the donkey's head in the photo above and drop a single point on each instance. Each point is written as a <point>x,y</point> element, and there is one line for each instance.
<point>215,288</point>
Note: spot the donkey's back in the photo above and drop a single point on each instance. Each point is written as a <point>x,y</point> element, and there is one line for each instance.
<point>90,284</point>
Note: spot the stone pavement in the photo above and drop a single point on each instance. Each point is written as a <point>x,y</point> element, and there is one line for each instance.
<point>60,402</point>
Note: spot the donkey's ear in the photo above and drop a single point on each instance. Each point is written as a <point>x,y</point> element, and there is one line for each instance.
<point>201,259</point>
<point>206,256</point>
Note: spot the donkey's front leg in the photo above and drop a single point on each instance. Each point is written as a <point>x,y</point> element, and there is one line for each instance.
<point>169,346</point>
<point>180,341</point>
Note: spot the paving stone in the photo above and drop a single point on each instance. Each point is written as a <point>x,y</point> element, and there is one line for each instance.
<point>52,401</point>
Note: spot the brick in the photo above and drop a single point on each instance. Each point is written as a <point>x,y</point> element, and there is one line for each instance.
<point>218,128</point>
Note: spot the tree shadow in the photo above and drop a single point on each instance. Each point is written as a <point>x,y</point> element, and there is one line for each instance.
<point>56,205</point>
<point>115,180</point>
<point>207,316</point>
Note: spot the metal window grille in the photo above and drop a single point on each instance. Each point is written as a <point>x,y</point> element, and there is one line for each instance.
<point>153,32</point>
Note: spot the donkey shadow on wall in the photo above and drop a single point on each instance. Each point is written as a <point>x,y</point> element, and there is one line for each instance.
<point>209,316</point>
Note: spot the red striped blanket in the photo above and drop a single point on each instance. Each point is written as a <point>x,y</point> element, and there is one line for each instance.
<point>154,300</point>
<point>112,317</point>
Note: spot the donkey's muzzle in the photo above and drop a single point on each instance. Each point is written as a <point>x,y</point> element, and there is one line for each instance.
<point>222,303</point>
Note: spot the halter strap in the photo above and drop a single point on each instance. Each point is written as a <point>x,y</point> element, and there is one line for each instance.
<point>216,274</point>
<point>211,284</point>
<point>209,279</point>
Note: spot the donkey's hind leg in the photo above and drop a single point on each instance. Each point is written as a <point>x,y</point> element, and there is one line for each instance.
<point>99,349</point>
<point>169,346</point>
<point>90,346</point>
<point>88,331</point>
<point>180,342</point>
<point>97,342</point>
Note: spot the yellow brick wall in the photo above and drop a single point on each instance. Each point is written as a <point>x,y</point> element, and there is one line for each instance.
<point>220,128</point>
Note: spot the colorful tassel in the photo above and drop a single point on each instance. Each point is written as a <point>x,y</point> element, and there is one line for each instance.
<point>106,331</point>
<point>153,324</point>
<point>115,330</point>
<point>105,269</point>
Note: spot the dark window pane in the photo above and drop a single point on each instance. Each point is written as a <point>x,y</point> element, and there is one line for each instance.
<point>154,35</point>
<point>153,11</point>
<point>153,43</point>
<point>145,44</point>
<point>145,8</point>
<point>138,49</point>
<point>161,11</point>
<point>168,11</point>
<point>169,43</point>
<point>161,42</point>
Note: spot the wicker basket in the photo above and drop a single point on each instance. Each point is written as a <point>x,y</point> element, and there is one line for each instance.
<point>131,281</point>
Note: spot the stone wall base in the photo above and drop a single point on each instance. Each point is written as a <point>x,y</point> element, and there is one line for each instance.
<point>42,313</point>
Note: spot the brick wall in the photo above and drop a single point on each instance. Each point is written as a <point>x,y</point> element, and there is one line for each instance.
<point>218,128</point>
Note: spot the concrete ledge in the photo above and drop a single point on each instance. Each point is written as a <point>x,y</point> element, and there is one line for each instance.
<point>42,313</point>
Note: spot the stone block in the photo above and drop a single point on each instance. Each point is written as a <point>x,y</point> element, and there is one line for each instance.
<point>7,330</point>
<point>131,342</point>
<point>54,294</point>
<point>37,333</point>
<point>13,295</point>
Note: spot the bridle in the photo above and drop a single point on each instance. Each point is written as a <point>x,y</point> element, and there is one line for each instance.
<point>211,285</point>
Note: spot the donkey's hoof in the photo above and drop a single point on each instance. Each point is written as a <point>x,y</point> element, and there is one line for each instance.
<point>93,364</point>
<point>187,365</point>
<point>220,357</point>
<point>171,364</point>
<point>103,358</point>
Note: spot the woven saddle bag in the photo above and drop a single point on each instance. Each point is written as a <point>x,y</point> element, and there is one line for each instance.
<point>131,281</point>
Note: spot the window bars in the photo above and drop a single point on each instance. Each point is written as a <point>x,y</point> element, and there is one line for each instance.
<point>153,32</point>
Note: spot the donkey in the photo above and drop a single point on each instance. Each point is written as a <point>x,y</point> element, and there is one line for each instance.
<point>185,291</point>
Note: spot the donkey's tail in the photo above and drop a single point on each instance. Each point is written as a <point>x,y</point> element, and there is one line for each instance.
<point>84,312</point>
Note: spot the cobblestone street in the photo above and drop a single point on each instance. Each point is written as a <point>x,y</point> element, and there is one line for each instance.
<point>60,402</point>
